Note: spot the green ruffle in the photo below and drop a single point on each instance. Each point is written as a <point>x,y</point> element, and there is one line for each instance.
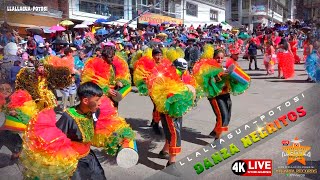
<point>113,144</point>
<point>105,89</point>
<point>212,88</point>
<point>178,104</point>
<point>238,88</point>
<point>22,116</point>
<point>124,82</point>
<point>142,88</point>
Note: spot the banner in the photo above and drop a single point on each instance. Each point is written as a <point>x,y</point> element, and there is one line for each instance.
<point>300,108</point>
<point>151,18</point>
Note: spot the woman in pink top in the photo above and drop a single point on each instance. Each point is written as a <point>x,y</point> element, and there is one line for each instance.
<point>269,58</point>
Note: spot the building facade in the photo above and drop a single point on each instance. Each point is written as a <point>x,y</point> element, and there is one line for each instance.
<point>189,11</point>
<point>307,10</point>
<point>258,12</point>
<point>200,12</point>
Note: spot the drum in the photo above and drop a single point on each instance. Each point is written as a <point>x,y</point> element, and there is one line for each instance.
<point>127,156</point>
<point>11,123</point>
<point>238,74</point>
<point>121,93</point>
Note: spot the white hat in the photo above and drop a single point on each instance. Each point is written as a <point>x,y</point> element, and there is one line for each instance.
<point>41,45</point>
<point>1,47</point>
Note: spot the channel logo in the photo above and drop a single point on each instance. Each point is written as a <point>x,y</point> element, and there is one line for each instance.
<point>252,167</point>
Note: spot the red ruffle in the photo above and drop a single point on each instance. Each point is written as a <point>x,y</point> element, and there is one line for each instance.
<point>286,63</point>
<point>18,98</point>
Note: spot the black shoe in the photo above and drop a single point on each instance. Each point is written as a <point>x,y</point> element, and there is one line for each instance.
<point>155,127</point>
<point>214,135</point>
<point>250,69</point>
<point>164,155</point>
<point>172,169</point>
<point>257,69</point>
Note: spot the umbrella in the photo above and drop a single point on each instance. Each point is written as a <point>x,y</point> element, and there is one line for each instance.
<point>306,28</point>
<point>170,28</point>
<point>80,26</point>
<point>88,23</point>
<point>283,28</point>
<point>230,40</point>
<point>149,33</point>
<point>166,22</point>
<point>60,42</point>
<point>57,28</point>
<point>10,49</point>
<point>38,39</point>
<point>128,44</point>
<point>47,30</point>
<point>162,35</point>
<point>101,20</point>
<point>34,30</point>
<point>66,23</point>
<point>101,32</point>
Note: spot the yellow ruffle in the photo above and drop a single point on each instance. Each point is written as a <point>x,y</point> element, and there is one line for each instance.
<point>208,51</point>
<point>161,88</point>
<point>174,53</point>
<point>29,108</point>
<point>101,136</point>
<point>42,166</point>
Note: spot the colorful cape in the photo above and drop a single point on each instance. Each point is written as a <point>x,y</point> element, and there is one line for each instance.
<point>100,72</point>
<point>208,75</point>
<point>111,130</point>
<point>170,95</point>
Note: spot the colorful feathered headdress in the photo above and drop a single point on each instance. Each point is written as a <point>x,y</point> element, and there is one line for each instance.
<point>174,53</point>
<point>208,51</point>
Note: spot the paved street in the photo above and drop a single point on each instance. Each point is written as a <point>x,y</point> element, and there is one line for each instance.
<point>265,93</point>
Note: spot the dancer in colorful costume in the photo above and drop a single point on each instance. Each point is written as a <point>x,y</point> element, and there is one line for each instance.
<point>285,60</point>
<point>111,130</point>
<point>40,81</point>
<point>173,98</point>
<point>217,82</point>
<point>15,112</point>
<point>61,149</point>
<point>111,71</point>
<point>143,68</point>
<point>313,64</point>
<point>294,48</point>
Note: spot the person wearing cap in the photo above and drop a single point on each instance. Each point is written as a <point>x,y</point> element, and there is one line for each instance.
<point>78,42</point>
<point>40,51</point>
<point>48,49</point>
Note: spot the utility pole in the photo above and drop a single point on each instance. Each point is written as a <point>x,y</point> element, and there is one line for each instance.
<point>5,18</point>
<point>272,11</point>
<point>250,16</point>
<point>183,3</point>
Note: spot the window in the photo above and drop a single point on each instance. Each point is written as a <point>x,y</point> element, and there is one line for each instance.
<point>245,4</point>
<point>191,9</point>
<point>103,7</point>
<point>213,15</point>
